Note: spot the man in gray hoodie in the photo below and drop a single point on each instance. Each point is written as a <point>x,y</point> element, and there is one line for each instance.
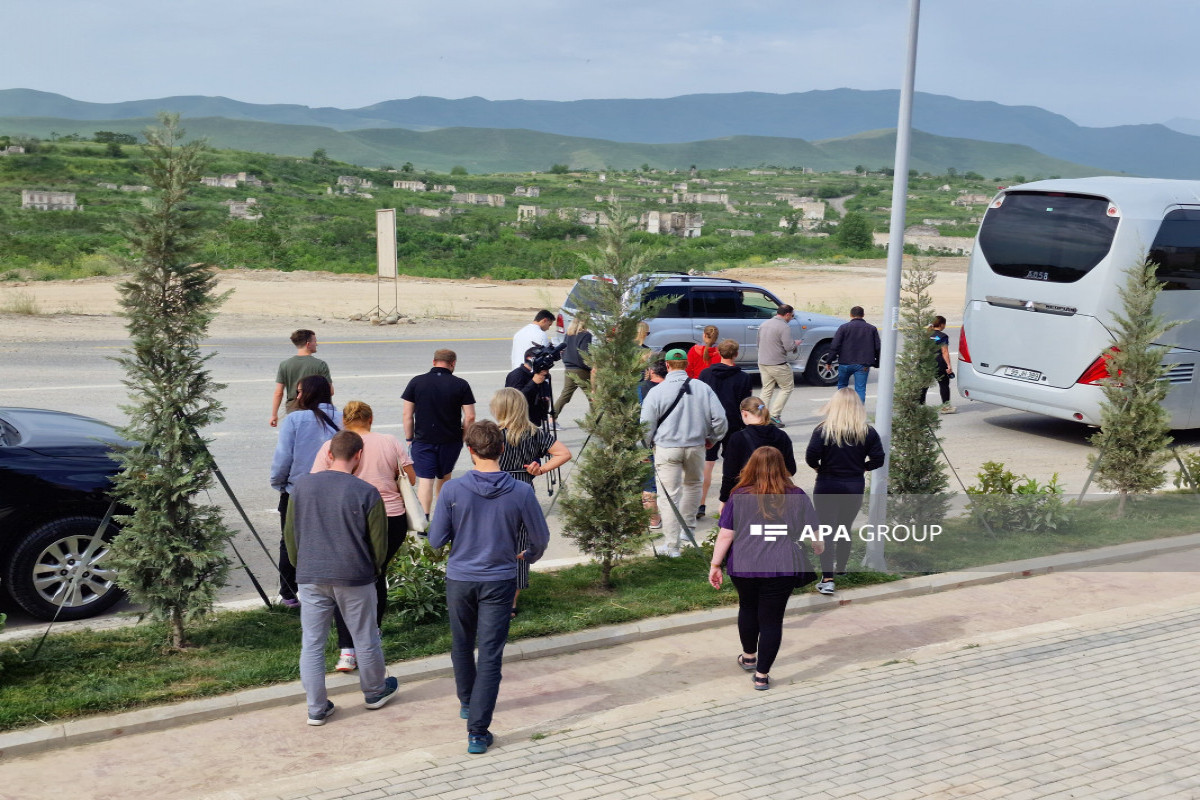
<point>683,418</point>
<point>481,513</point>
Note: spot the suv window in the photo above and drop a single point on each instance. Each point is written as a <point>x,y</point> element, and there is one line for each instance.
<point>677,307</point>
<point>1176,250</point>
<point>1047,236</point>
<point>757,305</point>
<point>716,303</point>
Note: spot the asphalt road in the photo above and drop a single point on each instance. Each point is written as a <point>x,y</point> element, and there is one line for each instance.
<point>375,365</point>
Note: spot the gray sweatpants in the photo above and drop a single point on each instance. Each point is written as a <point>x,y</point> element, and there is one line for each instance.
<point>357,604</point>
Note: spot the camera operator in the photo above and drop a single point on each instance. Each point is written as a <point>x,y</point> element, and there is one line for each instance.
<point>532,379</point>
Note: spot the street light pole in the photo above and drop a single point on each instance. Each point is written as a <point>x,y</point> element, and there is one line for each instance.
<point>877,509</point>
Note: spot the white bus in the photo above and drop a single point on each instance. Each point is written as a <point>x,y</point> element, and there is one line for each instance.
<point>1042,292</point>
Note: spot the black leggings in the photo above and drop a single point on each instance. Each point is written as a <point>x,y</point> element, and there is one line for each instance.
<point>397,530</point>
<point>761,603</point>
<point>837,504</point>
<point>287,571</point>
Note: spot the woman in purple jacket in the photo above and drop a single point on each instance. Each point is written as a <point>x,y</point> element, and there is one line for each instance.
<point>760,532</point>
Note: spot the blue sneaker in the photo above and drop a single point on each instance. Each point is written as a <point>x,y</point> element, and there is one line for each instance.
<point>320,717</point>
<point>390,687</point>
<point>479,743</point>
<point>464,712</point>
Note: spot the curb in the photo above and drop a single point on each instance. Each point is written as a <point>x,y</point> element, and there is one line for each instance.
<point>108,727</point>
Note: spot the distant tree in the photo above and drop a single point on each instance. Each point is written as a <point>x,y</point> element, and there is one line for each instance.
<point>319,156</point>
<point>458,170</point>
<point>854,232</point>
<point>645,167</point>
<point>972,176</point>
<point>113,150</point>
<point>170,554</point>
<point>602,505</point>
<point>860,169</point>
<point>1018,179</point>
<point>951,172</point>
<point>108,137</point>
<point>1134,427</point>
<point>559,169</point>
<point>407,167</point>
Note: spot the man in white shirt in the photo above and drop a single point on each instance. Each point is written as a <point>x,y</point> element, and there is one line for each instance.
<point>532,335</point>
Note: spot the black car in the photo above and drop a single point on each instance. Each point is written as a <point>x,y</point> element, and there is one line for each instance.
<point>55,474</point>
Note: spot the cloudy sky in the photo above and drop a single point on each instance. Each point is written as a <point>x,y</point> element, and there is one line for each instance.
<point>1099,62</point>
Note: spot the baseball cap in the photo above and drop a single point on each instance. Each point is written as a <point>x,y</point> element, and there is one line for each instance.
<point>675,355</point>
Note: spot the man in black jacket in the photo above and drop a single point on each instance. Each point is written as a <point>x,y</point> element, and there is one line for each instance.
<point>731,386</point>
<point>534,385</point>
<point>856,348</point>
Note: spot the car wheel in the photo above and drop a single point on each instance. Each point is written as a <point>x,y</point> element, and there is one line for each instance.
<point>63,563</point>
<point>822,369</point>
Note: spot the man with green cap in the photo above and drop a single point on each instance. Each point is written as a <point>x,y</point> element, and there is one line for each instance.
<point>683,418</point>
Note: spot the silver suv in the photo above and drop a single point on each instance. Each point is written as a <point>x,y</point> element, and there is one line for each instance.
<point>737,308</point>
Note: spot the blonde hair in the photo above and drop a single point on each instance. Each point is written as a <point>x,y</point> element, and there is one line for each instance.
<point>511,410</point>
<point>576,326</point>
<point>756,408</point>
<point>358,414</point>
<point>845,419</point>
<point>711,332</point>
<point>643,330</point>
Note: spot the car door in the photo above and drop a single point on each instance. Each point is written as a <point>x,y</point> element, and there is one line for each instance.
<point>720,306</point>
<point>673,322</point>
<point>755,308</point>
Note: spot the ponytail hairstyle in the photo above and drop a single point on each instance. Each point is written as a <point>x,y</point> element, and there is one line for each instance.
<point>756,408</point>
<point>357,414</point>
<point>938,321</point>
<point>314,392</point>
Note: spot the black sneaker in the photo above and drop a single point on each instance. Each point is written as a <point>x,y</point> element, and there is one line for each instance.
<point>390,687</point>
<point>320,717</point>
<point>700,512</point>
<point>479,743</point>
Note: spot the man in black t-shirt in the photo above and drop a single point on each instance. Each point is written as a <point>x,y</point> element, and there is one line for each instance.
<point>438,407</point>
<point>535,387</point>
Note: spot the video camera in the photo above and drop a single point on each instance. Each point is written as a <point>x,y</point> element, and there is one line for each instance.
<point>545,356</point>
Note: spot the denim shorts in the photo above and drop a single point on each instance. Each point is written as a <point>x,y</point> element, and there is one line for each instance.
<point>433,460</point>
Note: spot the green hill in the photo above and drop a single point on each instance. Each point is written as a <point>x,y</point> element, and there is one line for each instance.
<point>511,150</point>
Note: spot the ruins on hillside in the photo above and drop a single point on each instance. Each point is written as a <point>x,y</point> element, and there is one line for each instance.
<point>41,200</point>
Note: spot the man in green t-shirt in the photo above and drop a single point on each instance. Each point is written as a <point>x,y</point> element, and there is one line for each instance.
<point>290,371</point>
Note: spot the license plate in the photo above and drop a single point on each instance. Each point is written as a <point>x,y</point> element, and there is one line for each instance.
<point>1022,374</point>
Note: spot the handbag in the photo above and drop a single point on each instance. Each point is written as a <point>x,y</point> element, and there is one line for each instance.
<point>417,521</point>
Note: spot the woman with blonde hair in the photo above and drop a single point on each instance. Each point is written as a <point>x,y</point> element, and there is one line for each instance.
<point>843,449</point>
<point>384,461</point>
<point>525,445</point>
<point>765,569</point>
<point>704,355</point>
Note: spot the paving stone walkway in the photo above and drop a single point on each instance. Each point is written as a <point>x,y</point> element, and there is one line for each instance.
<point>1110,710</point>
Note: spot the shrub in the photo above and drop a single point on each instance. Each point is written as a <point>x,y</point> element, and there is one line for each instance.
<point>1188,477</point>
<point>417,582</point>
<point>1005,501</point>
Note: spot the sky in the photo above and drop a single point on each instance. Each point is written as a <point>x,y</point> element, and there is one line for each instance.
<point>1098,62</point>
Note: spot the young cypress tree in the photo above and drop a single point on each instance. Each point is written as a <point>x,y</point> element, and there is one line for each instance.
<point>1134,427</point>
<point>170,553</point>
<point>603,506</point>
<point>916,472</point>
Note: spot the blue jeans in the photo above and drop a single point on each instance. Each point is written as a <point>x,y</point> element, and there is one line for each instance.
<point>479,612</point>
<point>859,371</point>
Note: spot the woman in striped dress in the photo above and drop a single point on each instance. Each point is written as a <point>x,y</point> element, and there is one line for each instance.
<point>525,445</point>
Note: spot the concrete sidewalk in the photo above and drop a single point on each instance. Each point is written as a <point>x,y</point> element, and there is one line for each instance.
<point>607,693</point>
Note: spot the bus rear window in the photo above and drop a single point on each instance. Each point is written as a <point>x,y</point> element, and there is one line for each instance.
<point>1047,237</point>
<point>1176,250</point>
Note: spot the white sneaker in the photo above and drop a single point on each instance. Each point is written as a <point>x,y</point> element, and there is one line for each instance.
<point>948,409</point>
<point>825,587</point>
<point>347,662</point>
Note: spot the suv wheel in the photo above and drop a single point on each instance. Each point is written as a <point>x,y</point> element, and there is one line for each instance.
<point>822,369</point>
<point>63,563</point>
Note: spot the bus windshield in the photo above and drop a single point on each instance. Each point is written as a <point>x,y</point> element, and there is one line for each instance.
<point>1047,236</point>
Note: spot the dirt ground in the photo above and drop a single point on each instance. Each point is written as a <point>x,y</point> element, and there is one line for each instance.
<point>259,299</point>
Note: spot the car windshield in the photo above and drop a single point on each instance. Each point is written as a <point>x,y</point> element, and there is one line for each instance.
<point>1047,236</point>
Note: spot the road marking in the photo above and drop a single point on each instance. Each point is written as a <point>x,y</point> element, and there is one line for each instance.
<point>90,386</point>
<point>347,341</point>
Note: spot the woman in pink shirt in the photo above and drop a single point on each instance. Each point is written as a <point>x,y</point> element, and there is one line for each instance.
<point>384,458</point>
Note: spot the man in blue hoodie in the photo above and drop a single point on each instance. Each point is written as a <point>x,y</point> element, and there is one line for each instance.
<point>481,513</point>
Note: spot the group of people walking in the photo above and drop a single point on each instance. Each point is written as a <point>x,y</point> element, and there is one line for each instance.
<point>343,519</point>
